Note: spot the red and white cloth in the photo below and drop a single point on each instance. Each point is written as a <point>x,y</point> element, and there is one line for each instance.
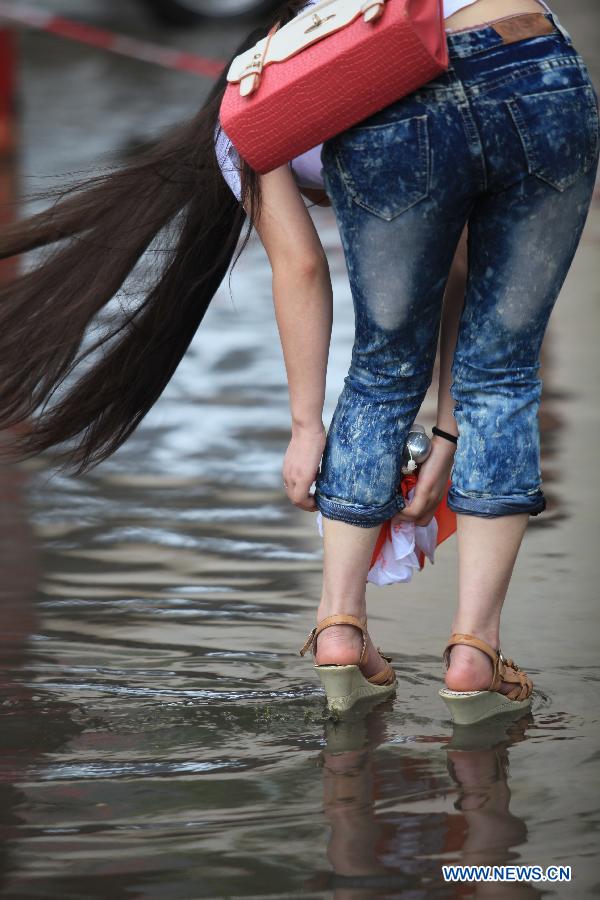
<point>402,547</point>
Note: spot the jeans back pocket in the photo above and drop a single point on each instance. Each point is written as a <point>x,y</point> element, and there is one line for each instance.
<point>385,168</point>
<point>559,131</point>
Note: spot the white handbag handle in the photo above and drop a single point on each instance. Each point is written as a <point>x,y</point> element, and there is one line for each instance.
<point>372,10</point>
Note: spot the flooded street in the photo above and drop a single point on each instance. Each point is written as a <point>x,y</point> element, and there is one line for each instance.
<point>160,736</point>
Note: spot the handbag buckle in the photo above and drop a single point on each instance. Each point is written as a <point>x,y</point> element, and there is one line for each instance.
<point>251,79</point>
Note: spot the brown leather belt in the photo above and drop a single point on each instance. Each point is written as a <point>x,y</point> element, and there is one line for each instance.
<point>521,27</point>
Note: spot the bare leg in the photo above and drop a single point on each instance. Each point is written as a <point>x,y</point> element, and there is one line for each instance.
<point>346,562</point>
<point>487,550</point>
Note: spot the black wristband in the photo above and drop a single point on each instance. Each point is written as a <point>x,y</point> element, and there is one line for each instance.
<point>445,434</point>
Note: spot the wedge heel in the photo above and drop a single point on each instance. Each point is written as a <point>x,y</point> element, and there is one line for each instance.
<point>346,685</point>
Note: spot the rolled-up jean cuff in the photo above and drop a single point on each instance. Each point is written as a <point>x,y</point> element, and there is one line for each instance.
<point>355,513</point>
<point>492,507</point>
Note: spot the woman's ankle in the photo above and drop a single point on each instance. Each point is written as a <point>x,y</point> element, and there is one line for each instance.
<point>338,607</point>
<point>489,632</point>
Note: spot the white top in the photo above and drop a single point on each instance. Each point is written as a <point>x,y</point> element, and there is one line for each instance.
<point>452,6</point>
<point>307,167</point>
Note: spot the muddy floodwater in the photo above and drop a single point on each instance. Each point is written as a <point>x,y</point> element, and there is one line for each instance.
<point>160,736</point>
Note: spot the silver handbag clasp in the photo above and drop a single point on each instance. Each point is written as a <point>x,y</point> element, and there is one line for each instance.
<point>317,21</point>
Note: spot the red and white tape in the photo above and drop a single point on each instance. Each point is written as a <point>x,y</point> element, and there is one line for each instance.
<point>41,20</point>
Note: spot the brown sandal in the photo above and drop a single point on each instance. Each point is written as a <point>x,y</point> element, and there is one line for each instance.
<point>345,685</point>
<point>468,707</point>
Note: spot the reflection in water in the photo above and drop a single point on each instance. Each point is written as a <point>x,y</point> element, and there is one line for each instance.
<point>478,762</point>
<point>374,850</point>
<point>388,836</point>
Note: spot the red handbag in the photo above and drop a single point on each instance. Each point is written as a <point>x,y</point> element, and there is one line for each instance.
<point>326,70</point>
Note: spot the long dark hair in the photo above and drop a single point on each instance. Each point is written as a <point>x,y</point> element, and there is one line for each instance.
<point>59,381</point>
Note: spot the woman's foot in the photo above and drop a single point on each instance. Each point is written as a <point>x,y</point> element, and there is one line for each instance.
<point>471,670</point>
<point>341,645</point>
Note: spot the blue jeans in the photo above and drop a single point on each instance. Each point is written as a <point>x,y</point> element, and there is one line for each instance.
<point>507,141</point>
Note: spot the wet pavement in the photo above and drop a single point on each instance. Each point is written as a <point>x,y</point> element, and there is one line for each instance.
<point>160,737</point>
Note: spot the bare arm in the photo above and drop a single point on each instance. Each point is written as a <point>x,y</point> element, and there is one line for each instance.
<point>302,298</point>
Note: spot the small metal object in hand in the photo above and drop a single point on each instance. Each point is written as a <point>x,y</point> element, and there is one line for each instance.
<point>416,449</point>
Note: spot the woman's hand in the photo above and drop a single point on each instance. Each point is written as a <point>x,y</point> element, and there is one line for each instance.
<point>431,484</point>
<point>301,464</point>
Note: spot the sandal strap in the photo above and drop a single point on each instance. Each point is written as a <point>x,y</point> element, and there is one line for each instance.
<point>508,671</point>
<point>386,676</point>
<point>470,641</point>
<point>339,619</point>
<point>504,668</point>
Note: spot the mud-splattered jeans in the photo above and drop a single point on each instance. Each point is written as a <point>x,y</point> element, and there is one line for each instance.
<point>507,140</point>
